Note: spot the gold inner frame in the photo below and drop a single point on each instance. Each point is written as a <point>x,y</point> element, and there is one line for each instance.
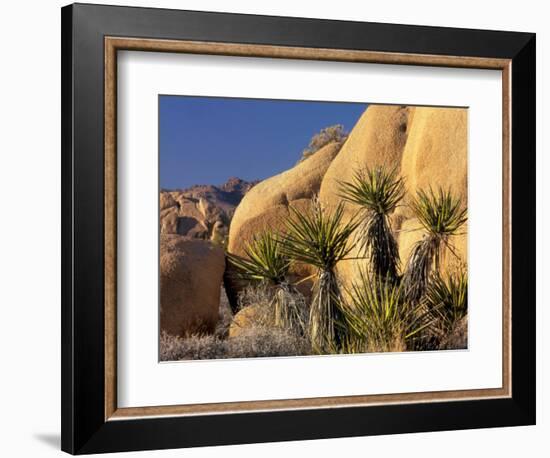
<point>114,44</point>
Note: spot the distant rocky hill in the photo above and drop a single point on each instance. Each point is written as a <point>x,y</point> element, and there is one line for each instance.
<point>202,211</point>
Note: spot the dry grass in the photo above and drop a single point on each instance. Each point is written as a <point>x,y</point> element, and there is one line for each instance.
<point>254,295</point>
<point>259,339</point>
<point>268,300</point>
<point>254,342</point>
<point>457,338</point>
<point>225,316</point>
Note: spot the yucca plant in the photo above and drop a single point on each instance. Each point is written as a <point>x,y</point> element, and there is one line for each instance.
<point>447,301</point>
<point>267,265</point>
<point>320,238</point>
<point>441,215</point>
<point>263,261</point>
<point>377,192</point>
<point>378,318</point>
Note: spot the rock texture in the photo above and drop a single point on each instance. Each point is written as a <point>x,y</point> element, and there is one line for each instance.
<point>378,138</point>
<point>202,211</point>
<point>436,151</point>
<point>267,203</point>
<point>191,273</point>
<point>436,154</point>
<point>243,320</point>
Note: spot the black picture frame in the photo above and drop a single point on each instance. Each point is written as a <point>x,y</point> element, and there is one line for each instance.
<point>84,428</point>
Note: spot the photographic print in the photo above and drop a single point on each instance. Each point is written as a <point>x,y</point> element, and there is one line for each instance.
<point>308,228</point>
<point>339,202</point>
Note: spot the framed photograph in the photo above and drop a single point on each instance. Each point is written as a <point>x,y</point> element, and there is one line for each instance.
<point>281,228</point>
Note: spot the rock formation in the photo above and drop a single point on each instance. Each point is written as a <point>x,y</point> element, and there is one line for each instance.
<point>429,148</point>
<point>202,211</point>
<point>378,138</point>
<point>427,145</point>
<point>191,273</point>
<point>266,206</point>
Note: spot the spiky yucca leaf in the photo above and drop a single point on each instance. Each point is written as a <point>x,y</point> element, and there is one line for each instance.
<point>264,259</point>
<point>320,238</point>
<point>419,267</point>
<point>439,212</point>
<point>266,264</point>
<point>447,300</point>
<point>441,215</point>
<point>377,192</point>
<point>378,318</point>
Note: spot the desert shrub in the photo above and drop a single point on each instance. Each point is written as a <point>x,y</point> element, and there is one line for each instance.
<point>447,301</point>
<point>225,316</point>
<point>327,135</point>
<point>174,348</point>
<point>261,341</point>
<point>457,339</point>
<point>441,215</point>
<point>378,319</point>
<point>264,260</point>
<point>377,192</point>
<point>268,302</point>
<point>254,295</point>
<point>320,238</point>
<point>255,341</point>
<point>266,265</point>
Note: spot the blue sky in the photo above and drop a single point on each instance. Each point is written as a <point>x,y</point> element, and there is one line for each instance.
<point>206,140</point>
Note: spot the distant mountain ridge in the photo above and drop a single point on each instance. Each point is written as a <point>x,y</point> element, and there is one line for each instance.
<point>202,211</point>
<point>231,192</point>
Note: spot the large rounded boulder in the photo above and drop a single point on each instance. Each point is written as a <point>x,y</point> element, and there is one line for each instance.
<point>191,273</point>
<point>378,139</point>
<point>266,206</point>
<point>436,155</point>
<point>436,151</point>
<point>428,147</point>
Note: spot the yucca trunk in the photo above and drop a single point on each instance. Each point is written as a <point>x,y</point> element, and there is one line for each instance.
<point>425,258</point>
<point>382,247</point>
<point>324,333</point>
<point>441,215</point>
<point>289,309</point>
<point>377,192</point>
